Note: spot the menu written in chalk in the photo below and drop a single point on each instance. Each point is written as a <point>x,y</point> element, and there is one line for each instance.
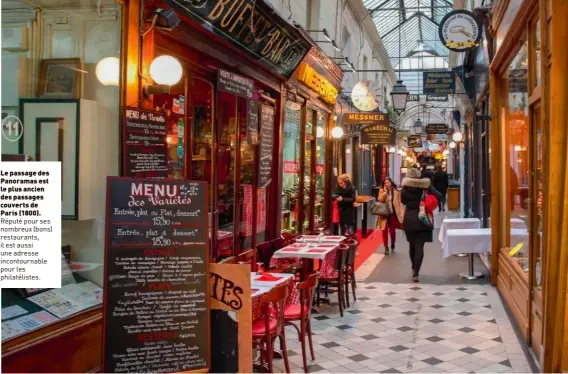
<point>252,123</point>
<point>235,84</point>
<point>156,315</point>
<point>266,145</point>
<point>145,144</point>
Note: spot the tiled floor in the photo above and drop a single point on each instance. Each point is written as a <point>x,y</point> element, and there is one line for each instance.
<point>414,328</point>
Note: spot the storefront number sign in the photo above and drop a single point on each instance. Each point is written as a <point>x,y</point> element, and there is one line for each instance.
<point>156,299</point>
<point>266,145</point>
<point>252,122</point>
<point>378,134</point>
<point>439,82</point>
<point>414,141</point>
<point>437,128</point>
<point>460,30</point>
<point>235,84</point>
<point>252,27</point>
<point>145,147</point>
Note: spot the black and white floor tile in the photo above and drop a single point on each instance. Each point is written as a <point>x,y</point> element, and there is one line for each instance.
<point>407,328</point>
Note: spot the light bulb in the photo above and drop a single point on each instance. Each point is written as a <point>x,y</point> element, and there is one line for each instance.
<point>348,150</point>
<point>392,149</point>
<point>165,70</point>
<point>320,132</point>
<point>457,136</point>
<point>446,152</point>
<point>452,144</point>
<point>337,132</point>
<point>518,148</point>
<point>108,71</point>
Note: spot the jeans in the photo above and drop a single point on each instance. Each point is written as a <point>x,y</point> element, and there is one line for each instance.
<point>416,255</point>
<point>390,228</point>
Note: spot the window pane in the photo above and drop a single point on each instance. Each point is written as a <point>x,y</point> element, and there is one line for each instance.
<point>539,186</point>
<point>320,169</point>
<point>517,121</point>
<point>246,183</point>
<point>290,179</point>
<point>537,69</point>
<point>202,139</point>
<point>309,139</point>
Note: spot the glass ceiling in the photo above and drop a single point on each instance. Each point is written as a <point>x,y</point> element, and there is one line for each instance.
<point>409,30</point>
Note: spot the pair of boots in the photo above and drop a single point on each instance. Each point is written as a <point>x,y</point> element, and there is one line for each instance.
<point>387,252</point>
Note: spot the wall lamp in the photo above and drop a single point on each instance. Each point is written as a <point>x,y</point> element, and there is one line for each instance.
<point>165,19</point>
<point>166,71</point>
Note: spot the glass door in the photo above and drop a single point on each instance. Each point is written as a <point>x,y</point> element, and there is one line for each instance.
<point>309,164</point>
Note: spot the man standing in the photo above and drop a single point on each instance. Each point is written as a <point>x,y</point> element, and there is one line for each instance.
<point>441,181</point>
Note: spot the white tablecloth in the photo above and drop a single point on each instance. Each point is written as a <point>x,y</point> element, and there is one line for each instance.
<point>324,239</point>
<point>477,240</point>
<point>457,223</point>
<point>305,250</point>
<point>517,223</point>
<point>265,286</point>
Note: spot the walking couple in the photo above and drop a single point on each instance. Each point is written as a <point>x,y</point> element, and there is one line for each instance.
<point>406,211</point>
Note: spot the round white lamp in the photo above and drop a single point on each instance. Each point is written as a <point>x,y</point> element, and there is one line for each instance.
<point>518,148</point>
<point>337,132</point>
<point>392,149</point>
<point>320,132</point>
<point>452,145</point>
<point>108,71</point>
<point>165,70</point>
<point>446,152</point>
<point>457,136</point>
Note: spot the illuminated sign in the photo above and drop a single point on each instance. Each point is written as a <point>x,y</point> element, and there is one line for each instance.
<point>378,134</point>
<point>366,118</point>
<point>311,78</point>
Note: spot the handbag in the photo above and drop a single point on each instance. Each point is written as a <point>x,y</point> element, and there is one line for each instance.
<point>430,202</point>
<point>381,209</point>
<point>424,214</point>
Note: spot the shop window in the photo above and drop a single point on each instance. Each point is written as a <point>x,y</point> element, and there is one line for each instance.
<point>202,136</point>
<point>539,189</point>
<point>518,157</point>
<point>61,79</point>
<point>308,154</point>
<point>291,159</point>
<point>321,135</point>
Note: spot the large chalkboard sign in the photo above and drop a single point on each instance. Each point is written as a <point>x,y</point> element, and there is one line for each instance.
<point>252,122</point>
<point>156,307</point>
<point>266,145</point>
<point>145,148</point>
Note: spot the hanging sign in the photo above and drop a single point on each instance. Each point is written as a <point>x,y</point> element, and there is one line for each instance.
<point>378,134</point>
<point>252,122</point>
<point>437,98</point>
<point>312,79</point>
<point>235,84</point>
<point>414,141</point>
<point>437,128</point>
<point>156,302</point>
<point>358,118</point>
<point>413,97</point>
<point>366,95</point>
<point>460,30</point>
<point>266,145</point>
<point>252,27</point>
<point>439,82</point>
<point>145,148</point>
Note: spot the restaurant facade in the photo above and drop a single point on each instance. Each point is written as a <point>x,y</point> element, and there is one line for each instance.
<point>245,106</point>
<point>527,96</point>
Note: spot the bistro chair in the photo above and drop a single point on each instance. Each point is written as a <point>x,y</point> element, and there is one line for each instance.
<point>247,257</point>
<point>265,252</point>
<point>350,269</point>
<point>288,237</point>
<point>267,329</point>
<point>303,312</point>
<point>336,281</point>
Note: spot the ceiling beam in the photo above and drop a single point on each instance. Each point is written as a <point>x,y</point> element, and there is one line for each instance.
<point>402,9</point>
<point>420,29</point>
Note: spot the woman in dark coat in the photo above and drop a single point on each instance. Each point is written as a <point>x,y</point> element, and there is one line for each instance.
<point>417,232</point>
<point>344,195</point>
<point>441,182</point>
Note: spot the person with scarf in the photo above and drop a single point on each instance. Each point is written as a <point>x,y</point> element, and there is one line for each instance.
<point>390,195</point>
<point>345,196</point>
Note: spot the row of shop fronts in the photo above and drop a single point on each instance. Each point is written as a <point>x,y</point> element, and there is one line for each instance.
<point>249,107</point>
<point>515,142</point>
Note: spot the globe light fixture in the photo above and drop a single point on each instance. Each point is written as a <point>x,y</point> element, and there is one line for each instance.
<point>392,149</point>
<point>518,148</point>
<point>452,145</point>
<point>446,152</point>
<point>108,71</point>
<point>166,71</point>
<point>320,132</point>
<point>399,96</point>
<point>457,136</point>
<point>337,132</point>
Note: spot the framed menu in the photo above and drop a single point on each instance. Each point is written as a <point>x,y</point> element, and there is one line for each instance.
<point>156,303</point>
<point>266,145</point>
<point>145,147</point>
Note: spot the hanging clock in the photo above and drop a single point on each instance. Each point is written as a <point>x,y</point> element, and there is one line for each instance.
<point>460,30</point>
<point>366,95</point>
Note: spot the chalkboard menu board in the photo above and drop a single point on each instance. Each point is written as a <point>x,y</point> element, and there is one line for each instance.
<point>156,310</point>
<point>266,145</point>
<point>145,144</point>
<point>235,84</point>
<point>252,122</point>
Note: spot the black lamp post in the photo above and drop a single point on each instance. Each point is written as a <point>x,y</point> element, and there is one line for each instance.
<point>399,96</point>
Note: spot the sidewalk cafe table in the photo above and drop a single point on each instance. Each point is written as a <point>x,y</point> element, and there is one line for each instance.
<point>324,239</point>
<point>457,223</point>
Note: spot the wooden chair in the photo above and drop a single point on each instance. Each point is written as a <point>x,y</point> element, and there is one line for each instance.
<point>303,312</point>
<point>247,257</point>
<point>266,330</point>
<point>288,237</point>
<point>265,252</point>
<point>336,282</point>
<point>350,269</point>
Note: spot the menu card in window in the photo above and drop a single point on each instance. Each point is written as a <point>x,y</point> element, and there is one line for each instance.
<point>266,145</point>
<point>145,148</point>
<point>252,122</point>
<point>156,314</point>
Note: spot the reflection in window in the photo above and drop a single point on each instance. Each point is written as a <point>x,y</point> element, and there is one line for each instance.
<point>247,179</point>
<point>202,137</point>
<point>537,54</point>
<point>518,149</point>
<point>309,140</point>
<point>321,135</point>
<point>290,179</point>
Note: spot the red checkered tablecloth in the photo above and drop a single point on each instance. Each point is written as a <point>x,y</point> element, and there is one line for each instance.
<point>293,298</point>
<point>327,265</point>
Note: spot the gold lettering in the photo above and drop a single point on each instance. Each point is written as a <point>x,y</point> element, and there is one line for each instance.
<point>279,54</point>
<point>218,10</point>
<point>275,34</point>
<point>275,49</point>
<point>240,18</point>
<point>230,14</point>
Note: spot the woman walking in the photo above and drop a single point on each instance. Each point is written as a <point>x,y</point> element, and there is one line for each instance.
<point>390,195</point>
<point>417,227</point>
<point>345,196</point>
<point>441,182</point>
